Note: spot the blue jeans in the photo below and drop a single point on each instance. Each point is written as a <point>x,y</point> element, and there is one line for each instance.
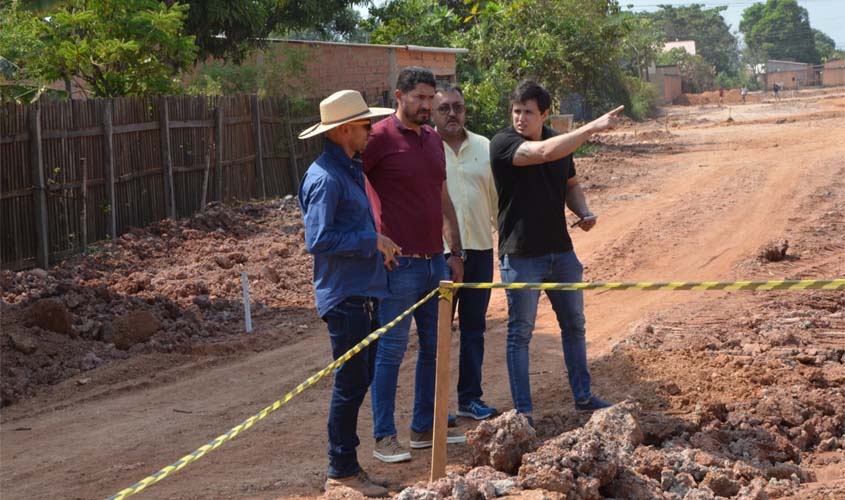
<point>349,322</point>
<point>522,312</point>
<point>472,309</point>
<point>410,281</point>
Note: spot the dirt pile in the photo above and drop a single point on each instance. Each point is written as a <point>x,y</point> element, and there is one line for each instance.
<point>170,287</point>
<point>727,452</point>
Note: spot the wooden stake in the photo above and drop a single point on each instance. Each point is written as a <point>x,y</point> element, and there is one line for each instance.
<point>36,155</point>
<point>441,384</point>
<point>108,156</point>
<point>259,148</point>
<point>83,217</point>
<point>204,198</point>
<point>166,158</point>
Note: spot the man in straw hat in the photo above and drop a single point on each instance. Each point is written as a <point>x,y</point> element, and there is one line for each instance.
<point>349,270</point>
<point>406,166</point>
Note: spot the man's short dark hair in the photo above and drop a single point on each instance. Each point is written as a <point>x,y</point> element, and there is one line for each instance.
<point>529,90</point>
<point>445,88</point>
<point>413,75</point>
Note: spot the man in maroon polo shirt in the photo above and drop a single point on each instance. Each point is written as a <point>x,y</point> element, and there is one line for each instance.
<point>406,168</point>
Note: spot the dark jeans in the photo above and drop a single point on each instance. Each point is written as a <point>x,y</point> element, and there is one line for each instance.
<point>472,309</point>
<point>522,312</point>
<point>349,322</point>
<point>409,282</point>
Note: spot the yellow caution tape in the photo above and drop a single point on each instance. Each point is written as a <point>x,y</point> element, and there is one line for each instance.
<point>833,284</point>
<point>246,424</point>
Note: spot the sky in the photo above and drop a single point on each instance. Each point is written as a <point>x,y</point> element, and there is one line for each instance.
<point>825,15</point>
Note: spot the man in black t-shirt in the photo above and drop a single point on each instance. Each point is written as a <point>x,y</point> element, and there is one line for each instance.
<point>535,179</point>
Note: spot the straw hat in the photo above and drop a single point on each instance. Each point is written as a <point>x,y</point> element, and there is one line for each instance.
<point>342,107</point>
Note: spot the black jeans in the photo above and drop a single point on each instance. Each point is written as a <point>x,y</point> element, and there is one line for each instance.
<point>472,309</point>
<point>349,322</point>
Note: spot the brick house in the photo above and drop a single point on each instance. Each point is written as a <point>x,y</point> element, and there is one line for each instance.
<point>371,69</point>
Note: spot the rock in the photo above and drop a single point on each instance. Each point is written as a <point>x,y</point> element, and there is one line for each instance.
<point>73,300</point>
<point>774,251</point>
<point>584,460</point>
<point>202,301</point>
<point>756,490</point>
<point>21,341</point>
<point>51,314</point>
<point>684,482</point>
<point>829,444</point>
<point>38,273</point>
<point>414,493</point>
<point>783,470</point>
<point>83,381</point>
<point>134,328</point>
<point>502,441</point>
<point>699,494</point>
<point>632,486</point>
<point>342,493</point>
<point>720,484</point>
<point>223,261</point>
<point>270,274</point>
<point>238,257</point>
<point>90,361</point>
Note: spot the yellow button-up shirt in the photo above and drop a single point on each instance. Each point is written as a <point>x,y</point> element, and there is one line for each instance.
<point>473,193</point>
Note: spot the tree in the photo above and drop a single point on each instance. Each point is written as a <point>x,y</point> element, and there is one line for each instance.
<point>712,35</point>
<point>230,29</point>
<point>779,29</point>
<point>825,45</point>
<point>697,75</point>
<point>118,47</point>
<point>416,22</point>
<point>642,44</point>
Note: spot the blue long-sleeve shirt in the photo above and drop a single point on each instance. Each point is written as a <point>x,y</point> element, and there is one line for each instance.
<point>340,230</point>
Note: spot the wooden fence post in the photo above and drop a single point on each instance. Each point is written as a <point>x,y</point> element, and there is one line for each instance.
<point>83,216</point>
<point>218,143</point>
<point>441,381</point>
<point>259,148</point>
<point>108,144</point>
<point>36,155</point>
<point>294,168</point>
<point>166,158</point>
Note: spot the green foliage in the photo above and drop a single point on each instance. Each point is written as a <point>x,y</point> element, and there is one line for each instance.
<point>779,29</point>
<point>643,98</point>
<point>246,24</point>
<point>642,44</point>
<point>697,75</point>
<point>277,74</point>
<point>714,41</point>
<point>825,46</point>
<point>118,47</point>
<point>416,22</point>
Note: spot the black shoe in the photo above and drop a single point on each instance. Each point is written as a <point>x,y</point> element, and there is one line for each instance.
<point>592,403</point>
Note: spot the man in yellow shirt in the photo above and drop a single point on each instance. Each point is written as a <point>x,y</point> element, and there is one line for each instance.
<point>470,182</point>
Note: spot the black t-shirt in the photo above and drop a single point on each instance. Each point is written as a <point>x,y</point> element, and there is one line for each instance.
<point>531,199</point>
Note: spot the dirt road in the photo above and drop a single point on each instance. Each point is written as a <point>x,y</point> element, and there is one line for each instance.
<point>694,200</point>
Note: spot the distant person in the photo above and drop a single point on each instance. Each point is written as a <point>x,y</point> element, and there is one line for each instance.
<point>776,90</point>
<point>473,194</point>
<point>535,179</point>
<point>743,92</point>
<point>349,271</point>
<point>721,96</point>
<point>406,166</point>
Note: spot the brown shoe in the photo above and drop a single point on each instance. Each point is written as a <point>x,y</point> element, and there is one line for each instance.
<point>389,450</point>
<point>421,440</point>
<point>360,482</point>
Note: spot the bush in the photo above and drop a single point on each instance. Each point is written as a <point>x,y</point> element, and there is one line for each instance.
<point>643,99</point>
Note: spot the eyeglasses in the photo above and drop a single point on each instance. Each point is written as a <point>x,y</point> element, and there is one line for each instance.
<point>458,108</point>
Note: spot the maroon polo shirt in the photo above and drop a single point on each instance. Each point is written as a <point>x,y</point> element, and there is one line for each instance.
<point>406,172</point>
